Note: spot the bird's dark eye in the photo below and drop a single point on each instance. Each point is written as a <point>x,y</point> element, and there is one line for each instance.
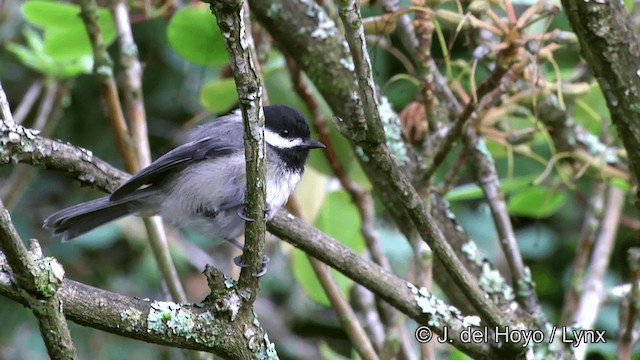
<point>284,133</point>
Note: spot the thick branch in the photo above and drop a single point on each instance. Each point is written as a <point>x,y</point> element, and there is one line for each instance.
<point>609,43</point>
<point>210,328</point>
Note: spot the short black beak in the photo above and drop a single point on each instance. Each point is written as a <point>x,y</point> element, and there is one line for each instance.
<point>313,144</point>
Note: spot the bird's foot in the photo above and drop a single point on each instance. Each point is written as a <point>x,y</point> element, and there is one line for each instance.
<point>263,269</point>
<point>240,212</point>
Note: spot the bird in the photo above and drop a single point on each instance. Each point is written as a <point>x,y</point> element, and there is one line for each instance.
<point>201,184</point>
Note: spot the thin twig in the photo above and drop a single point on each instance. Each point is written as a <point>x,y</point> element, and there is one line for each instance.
<point>592,217</point>
<point>364,303</point>
<point>591,298</point>
<point>629,333</point>
<point>395,291</point>
<point>354,33</point>
<point>46,117</point>
<point>29,98</point>
<point>487,178</point>
<point>359,195</point>
<point>456,130</point>
<point>132,83</point>
<point>347,316</point>
<point>103,69</point>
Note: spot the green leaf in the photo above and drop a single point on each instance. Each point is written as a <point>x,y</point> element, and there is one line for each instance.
<point>328,353</point>
<point>340,219</point>
<point>304,274</point>
<point>49,14</point>
<point>39,60</point>
<point>591,108</point>
<point>219,96</point>
<point>193,33</point>
<point>473,191</point>
<point>311,193</point>
<point>536,202</point>
<point>620,184</point>
<point>65,35</point>
<point>497,150</point>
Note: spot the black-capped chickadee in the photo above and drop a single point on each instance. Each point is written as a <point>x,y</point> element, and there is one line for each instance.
<point>201,184</point>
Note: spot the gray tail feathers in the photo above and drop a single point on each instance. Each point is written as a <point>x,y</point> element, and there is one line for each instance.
<point>79,219</point>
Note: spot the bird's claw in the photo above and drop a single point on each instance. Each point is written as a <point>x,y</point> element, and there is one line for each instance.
<point>263,269</point>
<point>240,212</point>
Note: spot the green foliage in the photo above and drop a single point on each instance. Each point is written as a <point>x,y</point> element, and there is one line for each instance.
<point>65,36</point>
<point>474,192</point>
<point>537,202</point>
<point>591,109</point>
<point>183,77</point>
<point>35,56</point>
<point>219,96</point>
<point>194,34</point>
<point>329,354</point>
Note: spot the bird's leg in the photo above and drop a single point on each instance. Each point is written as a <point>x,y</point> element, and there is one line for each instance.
<point>238,259</point>
<point>240,212</point>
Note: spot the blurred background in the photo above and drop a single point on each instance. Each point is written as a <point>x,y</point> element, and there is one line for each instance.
<point>46,72</point>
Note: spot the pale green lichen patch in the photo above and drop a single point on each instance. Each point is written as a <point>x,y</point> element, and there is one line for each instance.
<point>393,132</point>
<point>468,321</point>
<point>267,349</point>
<point>274,9</point>
<point>252,340</point>
<point>48,275</point>
<point>493,283</point>
<point>229,283</point>
<point>170,318</point>
<point>347,63</point>
<point>471,251</point>
<point>131,315</point>
<point>437,309</point>
<point>526,284</point>
<point>326,28</point>
<point>481,146</point>
<point>5,278</point>
<point>360,153</point>
<point>16,136</point>
<point>104,71</point>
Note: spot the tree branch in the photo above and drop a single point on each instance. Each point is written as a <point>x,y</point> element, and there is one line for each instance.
<point>610,45</point>
<point>213,328</point>
<point>37,278</point>
<point>231,20</point>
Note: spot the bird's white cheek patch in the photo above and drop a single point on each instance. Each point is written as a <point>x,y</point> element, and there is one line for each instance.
<point>277,141</point>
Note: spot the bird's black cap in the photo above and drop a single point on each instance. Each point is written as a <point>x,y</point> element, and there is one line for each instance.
<point>286,121</point>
